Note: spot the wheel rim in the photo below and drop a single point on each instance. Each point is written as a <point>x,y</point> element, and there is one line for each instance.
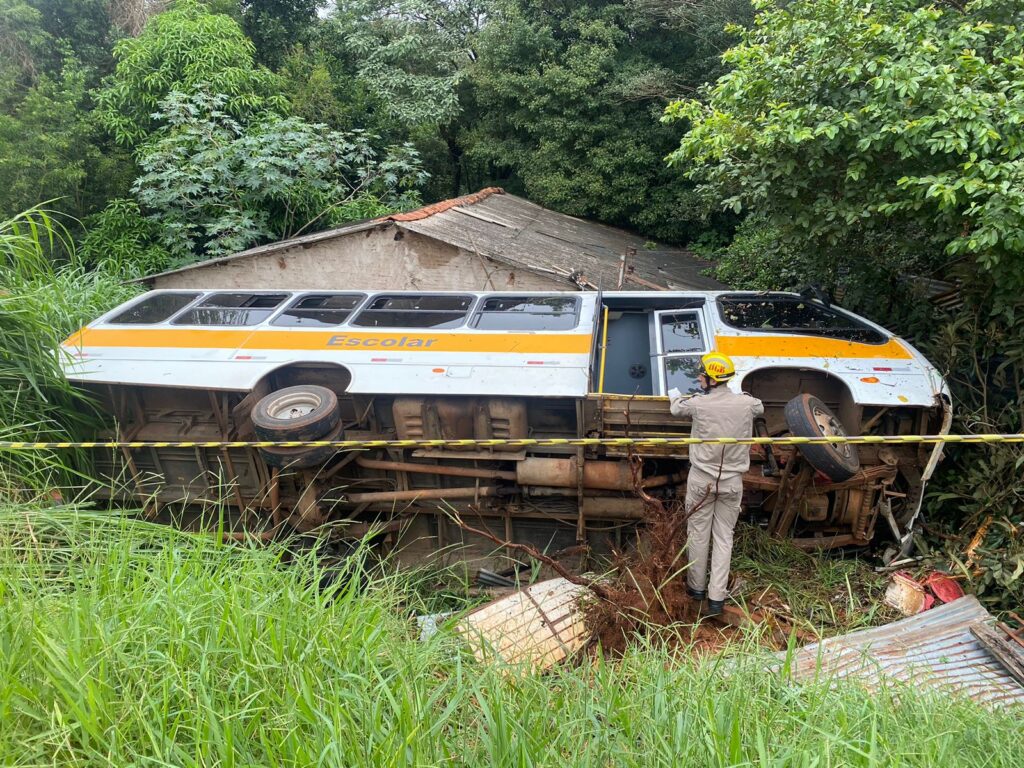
<point>293,406</point>
<point>830,426</point>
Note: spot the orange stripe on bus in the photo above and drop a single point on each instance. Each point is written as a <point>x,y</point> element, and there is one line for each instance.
<point>341,340</point>
<point>803,346</point>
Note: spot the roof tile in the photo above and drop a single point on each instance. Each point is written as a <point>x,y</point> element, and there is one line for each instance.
<point>444,205</point>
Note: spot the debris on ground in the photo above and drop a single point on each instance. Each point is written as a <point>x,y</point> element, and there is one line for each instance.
<point>537,627</point>
<point>643,593</point>
<point>647,587</point>
<point>910,596</point>
<point>947,648</point>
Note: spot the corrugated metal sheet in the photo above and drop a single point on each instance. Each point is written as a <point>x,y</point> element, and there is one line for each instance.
<point>934,648</point>
<point>537,626</point>
<point>515,231</point>
<point>523,235</point>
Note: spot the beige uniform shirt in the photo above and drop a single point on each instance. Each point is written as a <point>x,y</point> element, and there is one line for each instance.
<point>720,413</point>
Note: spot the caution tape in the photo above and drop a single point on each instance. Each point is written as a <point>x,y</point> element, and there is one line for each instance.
<point>587,442</point>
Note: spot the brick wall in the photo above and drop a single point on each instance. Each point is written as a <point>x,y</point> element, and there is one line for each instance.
<point>371,260</point>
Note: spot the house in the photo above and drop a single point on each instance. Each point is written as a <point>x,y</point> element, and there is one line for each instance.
<point>488,240</point>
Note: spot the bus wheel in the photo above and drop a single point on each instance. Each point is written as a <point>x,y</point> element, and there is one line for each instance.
<point>304,412</point>
<point>807,416</point>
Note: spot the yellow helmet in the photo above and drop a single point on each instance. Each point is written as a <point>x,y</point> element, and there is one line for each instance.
<point>718,367</point>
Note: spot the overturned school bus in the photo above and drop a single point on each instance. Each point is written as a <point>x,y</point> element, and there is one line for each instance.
<point>181,365</point>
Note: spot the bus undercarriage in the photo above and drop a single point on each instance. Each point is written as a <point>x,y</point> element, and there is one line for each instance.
<point>553,498</point>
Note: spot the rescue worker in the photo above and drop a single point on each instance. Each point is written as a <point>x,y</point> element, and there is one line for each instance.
<point>714,485</point>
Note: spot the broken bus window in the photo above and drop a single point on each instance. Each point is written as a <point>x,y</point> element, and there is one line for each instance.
<point>319,310</point>
<point>414,311</point>
<point>792,314</point>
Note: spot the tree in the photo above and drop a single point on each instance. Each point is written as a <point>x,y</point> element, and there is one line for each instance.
<point>275,26</point>
<point>570,96</point>
<point>84,28</point>
<point>181,50</point>
<point>214,185</point>
<point>24,44</point>
<point>880,138</point>
<point>872,140</point>
<point>53,149</point>
<point>401,69</point>
<point>412,54</point>
<point>120,241</point>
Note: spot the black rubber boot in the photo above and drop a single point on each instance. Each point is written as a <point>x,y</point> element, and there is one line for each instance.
<point>715,608</point>
<point>695,594</point>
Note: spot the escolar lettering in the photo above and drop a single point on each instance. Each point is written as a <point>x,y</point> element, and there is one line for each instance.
<point>403,342</point>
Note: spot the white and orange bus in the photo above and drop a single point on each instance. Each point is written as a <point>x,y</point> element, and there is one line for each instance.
<point>183,365</point>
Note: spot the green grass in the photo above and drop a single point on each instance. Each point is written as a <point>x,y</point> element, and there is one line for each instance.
<point>828,593</point>
<point>125,643</point>
<point>42,301</point>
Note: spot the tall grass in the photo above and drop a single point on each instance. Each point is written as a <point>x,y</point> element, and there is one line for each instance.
<point>826,592</point>
<point>123,643</point>
<point>45,295</point>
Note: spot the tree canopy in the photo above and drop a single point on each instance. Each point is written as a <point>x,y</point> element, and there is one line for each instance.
<point>570,95</point>
<point>180,50</point>
<point>216,186</point>
<point>875,137</point>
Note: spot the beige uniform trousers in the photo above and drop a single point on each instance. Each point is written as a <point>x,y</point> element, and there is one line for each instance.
<point>711,525</point>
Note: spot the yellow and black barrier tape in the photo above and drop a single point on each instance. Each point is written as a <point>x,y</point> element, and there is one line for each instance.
<point>587,442</point>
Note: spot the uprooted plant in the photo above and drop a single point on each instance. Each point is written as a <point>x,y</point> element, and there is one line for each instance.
<point>645,587</point>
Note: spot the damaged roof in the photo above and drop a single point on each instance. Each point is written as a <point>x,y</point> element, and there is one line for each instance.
<point>938,648</point>
<point>513,231</point>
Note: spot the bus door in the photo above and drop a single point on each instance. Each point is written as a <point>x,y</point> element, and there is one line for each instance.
<point>624,355</point>
<point>681,338</point>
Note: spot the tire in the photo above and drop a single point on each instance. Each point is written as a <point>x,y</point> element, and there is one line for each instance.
<point>807,416</point>
<point>305,412</point>
<point>303,458</point>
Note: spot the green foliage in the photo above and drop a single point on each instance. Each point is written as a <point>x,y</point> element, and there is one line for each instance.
<point>843,121</point>
<point>180,50</point>
<point>83,27</point>
<point>24,45</point>
<point>758,260</point>
<point>215,186</point>
<point>982,355</point>
<point>121,241</point>
<point>160,647</point>
<point>40,305</point>
<point>570,96</point>
<point>412,55</point>
<point>53,150</point>
<point>323,88</point>
<point>275,26</point>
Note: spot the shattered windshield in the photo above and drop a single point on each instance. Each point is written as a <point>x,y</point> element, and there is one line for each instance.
<point>793,314</point>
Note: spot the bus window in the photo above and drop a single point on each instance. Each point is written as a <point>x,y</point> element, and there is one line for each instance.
<point>154,309</point>
<point>414,311</point>
<point>527,313</point>
<point>233,309</point>
<point>792,314</point>
<point>319,310</point>
<point>681,333</point>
